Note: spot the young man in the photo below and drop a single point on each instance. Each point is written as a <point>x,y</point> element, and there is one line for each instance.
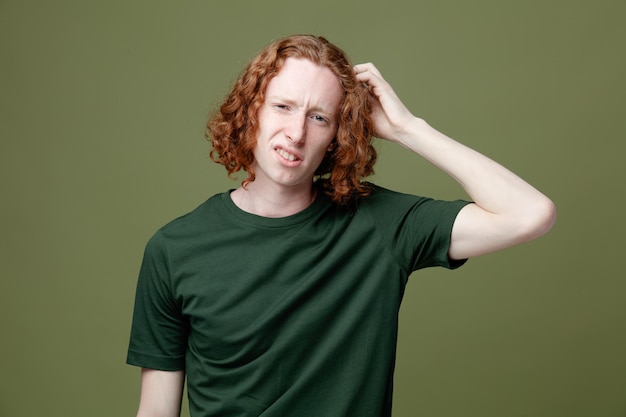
<point>281,298</point>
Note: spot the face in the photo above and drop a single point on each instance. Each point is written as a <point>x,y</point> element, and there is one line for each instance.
<point>297,123</point>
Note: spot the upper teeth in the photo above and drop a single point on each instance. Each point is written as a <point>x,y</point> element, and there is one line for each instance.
<point>286,155</point>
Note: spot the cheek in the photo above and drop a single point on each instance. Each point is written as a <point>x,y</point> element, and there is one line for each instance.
<point>265,122</point>
<point>323,148</point>
<point>263,134</point>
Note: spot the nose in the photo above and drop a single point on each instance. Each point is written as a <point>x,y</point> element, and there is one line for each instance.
<point>296,128</point>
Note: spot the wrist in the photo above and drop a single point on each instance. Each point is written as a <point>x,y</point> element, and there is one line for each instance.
<point>412,132</point>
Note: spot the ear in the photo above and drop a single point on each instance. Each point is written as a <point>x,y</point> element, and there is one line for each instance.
<point>332,145</point>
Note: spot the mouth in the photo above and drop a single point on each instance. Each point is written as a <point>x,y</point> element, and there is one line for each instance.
<point>286,155</point>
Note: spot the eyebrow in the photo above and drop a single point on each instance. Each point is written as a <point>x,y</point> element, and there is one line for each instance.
<point>291,102</point>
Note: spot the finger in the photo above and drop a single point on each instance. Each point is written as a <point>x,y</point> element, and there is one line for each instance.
<point>374,83</point>
<point>368,66</point>
<point>368,76</point>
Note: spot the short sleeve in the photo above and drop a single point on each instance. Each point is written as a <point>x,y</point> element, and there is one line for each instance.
<point>416,229</point>
<point>159,330</point>
<point>435,234</point>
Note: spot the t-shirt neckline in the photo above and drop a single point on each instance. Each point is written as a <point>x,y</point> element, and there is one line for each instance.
<point>317,206</point>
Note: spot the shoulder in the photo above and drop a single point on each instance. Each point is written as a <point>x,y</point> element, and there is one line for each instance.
<point>189,224</point>
<point>386,199</point>
<point>195,216</point>
<point>386,203</point>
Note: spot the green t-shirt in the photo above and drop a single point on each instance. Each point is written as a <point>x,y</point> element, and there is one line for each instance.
<point>292,316</point>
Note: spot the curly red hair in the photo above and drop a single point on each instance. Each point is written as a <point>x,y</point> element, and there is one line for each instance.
<point>233,129</point>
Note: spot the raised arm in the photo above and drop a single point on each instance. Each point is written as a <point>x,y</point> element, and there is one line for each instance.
<point>506,210</point>
<point>161,393</point>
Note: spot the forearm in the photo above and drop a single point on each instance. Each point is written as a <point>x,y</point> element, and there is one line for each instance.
<point>161,393</point>
<point>490,185</point>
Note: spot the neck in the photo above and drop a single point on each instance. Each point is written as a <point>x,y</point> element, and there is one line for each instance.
<point>273,203</point>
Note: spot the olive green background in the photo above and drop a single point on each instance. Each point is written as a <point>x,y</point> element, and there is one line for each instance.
<point>103,106</point>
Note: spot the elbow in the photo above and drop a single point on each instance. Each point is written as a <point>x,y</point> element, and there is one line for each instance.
<point>547,216</point>
<point>539,219</point>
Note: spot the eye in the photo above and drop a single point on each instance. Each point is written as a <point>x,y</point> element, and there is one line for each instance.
<point>319,119</point>
<point>281,106</point>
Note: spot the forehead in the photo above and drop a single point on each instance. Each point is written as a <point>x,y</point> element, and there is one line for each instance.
<point>307,84</point>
